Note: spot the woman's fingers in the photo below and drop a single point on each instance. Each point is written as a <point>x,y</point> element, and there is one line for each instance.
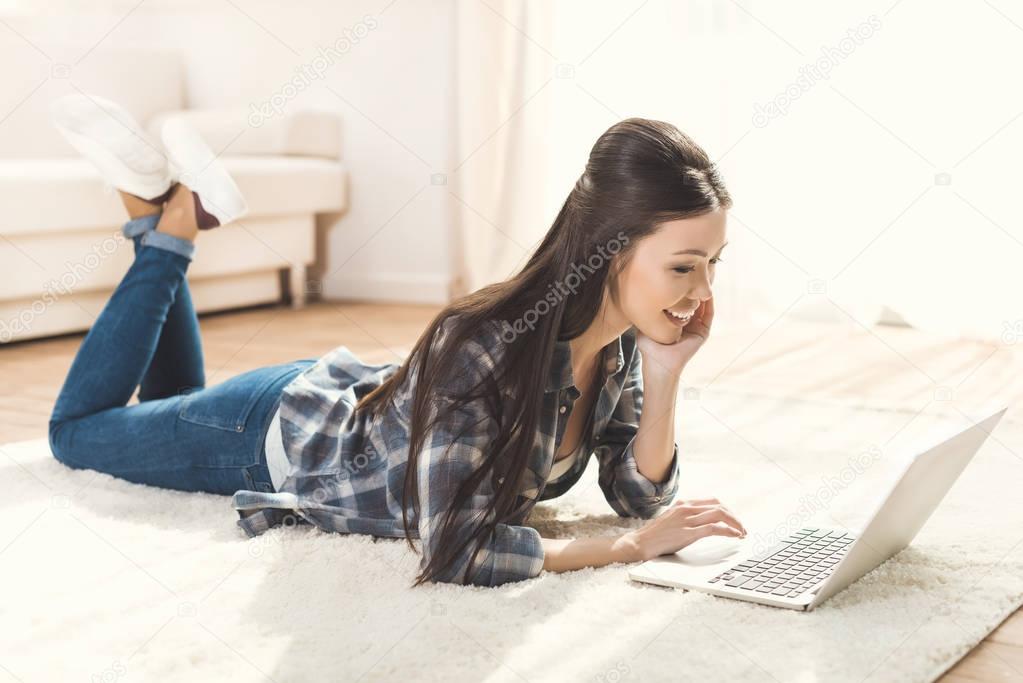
<point>715,529</point>
<point>702,318</point>
<point>716,514</point>
<point>698,501</point>
<point>687,521</point>
<point>702,505</point>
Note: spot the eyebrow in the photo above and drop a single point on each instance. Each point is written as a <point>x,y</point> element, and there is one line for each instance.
<point>697,251</point>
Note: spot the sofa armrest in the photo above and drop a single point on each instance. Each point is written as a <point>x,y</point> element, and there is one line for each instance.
<point>233,132</point>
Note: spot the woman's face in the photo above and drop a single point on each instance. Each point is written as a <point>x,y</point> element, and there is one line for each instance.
<point>671,269</point>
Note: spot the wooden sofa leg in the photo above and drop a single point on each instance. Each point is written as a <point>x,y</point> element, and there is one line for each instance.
<point>296,285</point>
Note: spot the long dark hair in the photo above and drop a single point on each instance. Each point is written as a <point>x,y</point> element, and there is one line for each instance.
<point>640,173</point>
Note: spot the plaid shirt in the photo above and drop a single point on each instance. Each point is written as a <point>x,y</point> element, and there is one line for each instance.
<point>347,471</point>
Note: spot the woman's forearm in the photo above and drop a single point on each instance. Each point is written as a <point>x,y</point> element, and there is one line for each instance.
<point>567,554</point>
<point>655,439</point>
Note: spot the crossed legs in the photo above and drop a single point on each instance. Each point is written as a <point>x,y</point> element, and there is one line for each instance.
<point>148,333</point>
<point>177,364</point>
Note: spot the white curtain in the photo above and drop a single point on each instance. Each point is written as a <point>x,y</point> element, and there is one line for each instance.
<point>501,147</point>
<point>872,162</point>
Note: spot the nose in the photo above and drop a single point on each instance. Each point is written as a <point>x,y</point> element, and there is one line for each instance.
<point>702,289</point>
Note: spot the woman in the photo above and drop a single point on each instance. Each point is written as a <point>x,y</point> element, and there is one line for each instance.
<point>499,405</point>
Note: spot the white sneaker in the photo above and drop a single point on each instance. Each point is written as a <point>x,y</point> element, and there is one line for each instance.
<point>110,138</point>
<point>218,200</point>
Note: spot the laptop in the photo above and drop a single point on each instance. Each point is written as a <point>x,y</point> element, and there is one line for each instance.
<point>807,567</point>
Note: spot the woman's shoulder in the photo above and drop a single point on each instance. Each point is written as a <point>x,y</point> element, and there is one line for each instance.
<point>481,347</point>
<point>470,357</point>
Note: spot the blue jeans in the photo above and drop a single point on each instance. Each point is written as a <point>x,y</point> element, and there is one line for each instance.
<point>180,435</point>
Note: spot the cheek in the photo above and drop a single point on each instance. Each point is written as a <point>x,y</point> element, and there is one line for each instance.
<point>649,291</point>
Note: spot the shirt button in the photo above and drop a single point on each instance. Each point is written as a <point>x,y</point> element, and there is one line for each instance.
<point>561,409</point>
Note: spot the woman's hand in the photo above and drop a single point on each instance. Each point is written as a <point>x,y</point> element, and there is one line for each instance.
<point>672,358</point>
<point>682,523</point>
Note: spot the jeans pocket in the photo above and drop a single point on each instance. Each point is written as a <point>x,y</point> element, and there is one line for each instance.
<point>228,405</point>
<point>223,409</point>
<point>222,422</point>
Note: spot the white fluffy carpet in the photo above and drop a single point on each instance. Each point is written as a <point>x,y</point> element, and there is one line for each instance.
<point>106,580</point>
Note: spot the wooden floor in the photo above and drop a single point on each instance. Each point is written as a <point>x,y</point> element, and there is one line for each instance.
<point>887,366</point>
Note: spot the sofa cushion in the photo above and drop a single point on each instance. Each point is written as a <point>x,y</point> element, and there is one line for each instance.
<point>64,194</point>
<point>241,132</point>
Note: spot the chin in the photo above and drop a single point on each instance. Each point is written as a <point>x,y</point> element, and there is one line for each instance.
<point>661,332</point>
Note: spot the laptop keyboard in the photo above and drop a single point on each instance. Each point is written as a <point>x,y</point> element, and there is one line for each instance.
<point>793,566</point>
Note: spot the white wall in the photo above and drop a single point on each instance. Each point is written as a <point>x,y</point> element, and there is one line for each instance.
<point>391,81</point>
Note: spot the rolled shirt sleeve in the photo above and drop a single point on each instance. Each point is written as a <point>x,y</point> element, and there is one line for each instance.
<point>629,493</point>
<point>452,450</point>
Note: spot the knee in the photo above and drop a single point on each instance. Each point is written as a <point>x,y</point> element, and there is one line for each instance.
<point>58,442</point>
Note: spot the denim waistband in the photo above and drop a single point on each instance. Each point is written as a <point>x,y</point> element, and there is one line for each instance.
<point>265,408</point>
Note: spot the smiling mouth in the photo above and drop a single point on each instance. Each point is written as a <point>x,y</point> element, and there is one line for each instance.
<point>677,319</point>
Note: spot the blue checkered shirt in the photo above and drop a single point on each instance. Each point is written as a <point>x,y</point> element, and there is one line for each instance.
<point>348,470</point>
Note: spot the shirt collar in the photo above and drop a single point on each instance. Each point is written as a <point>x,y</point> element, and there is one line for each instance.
<point>560,375</point>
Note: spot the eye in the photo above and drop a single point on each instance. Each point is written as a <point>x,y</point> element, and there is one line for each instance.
<point>688,269</point>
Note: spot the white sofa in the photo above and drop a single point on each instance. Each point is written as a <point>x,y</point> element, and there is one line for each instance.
<point>61,251</point>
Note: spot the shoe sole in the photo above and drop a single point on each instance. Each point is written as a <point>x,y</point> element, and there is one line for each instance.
<point>110,138</point>
<point>199,169</point>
